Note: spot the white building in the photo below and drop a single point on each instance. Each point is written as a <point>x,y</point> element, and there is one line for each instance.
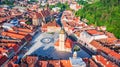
<point>92,34</point>
<point>63,43</point>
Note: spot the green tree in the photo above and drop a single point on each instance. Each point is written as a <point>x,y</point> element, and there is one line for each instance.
<point>76,48</point>
<point>103,12</point>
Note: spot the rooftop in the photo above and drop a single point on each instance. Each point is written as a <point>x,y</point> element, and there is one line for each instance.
<point>94,32</point>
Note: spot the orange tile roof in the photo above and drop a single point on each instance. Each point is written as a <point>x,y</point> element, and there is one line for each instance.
<point>31,59</point>
<point>44,27</point>
<point>2,19</point>
<point>104,62</point>
<point>65,63</point>
<point>11,64</point>
<point>94,32</point>
<point>105,49</point>
<point>14,59</point>
<point>23,30</point>
<point>92,63</point>
<point>53,23</point>
<point>12,35</point>
<point>3,59</point>
<point>96,44</point>
<point>68,43</point>
<point>77,33</point>
<point>57,43</point>
<point>110,40</point>
<point>43,63</point>
<point>114,54</point>
<point>110,34</point>
<point>54,63</point>
<point>17,32</point>
<point>8,41</point>
<point>22,20</point>
<point>2,50</point>
<point>16,47</point>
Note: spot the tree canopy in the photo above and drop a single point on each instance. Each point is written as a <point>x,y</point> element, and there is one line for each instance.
<point>103,13</point>
<point>63,6</point>
<point>76,48</point>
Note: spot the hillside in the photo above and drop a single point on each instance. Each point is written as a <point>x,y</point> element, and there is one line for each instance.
<point>103,13</point>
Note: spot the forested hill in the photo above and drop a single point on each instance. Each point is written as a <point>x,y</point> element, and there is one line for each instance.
<point>103,13</point>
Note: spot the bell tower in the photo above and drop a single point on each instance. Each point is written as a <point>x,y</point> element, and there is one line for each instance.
<point>62,37</point>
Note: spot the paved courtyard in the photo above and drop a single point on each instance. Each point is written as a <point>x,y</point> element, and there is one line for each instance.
<point>43,44</point>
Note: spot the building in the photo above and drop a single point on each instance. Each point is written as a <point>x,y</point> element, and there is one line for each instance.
<point>63,43</point>
<point>92,34</point>
<point>103,61</point>
<point>51,27</point>
<point>75,6</point>
<point>37,19</point>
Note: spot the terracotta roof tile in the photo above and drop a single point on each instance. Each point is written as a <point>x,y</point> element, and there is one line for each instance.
<point>43,63</point>
<point>94,32</point>
<point>92,63</point>
<point>17,32</point>
<point>12,35</point>
<point>65,63</point>
<point>54,63</point>
<point>3,59</point>
<point>103,61</point>
<point>68,43</point>
<point>31,59</point>
<point>96,44</point>
<point>57,43</point>
<point>23,30</point>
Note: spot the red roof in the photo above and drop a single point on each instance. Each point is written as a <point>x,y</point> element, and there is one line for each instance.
<point>96,44</point>
<point>22,20</point>
<point>8,41</point>
<point>114,54</point>
<point>57,43</point>
<point>3,59</point>
<point>12,64</point>
<point>45,13</point>
<point>14,59</point>
<point>16,47</point>
<point>50,24</point>
<point>12,35</point>
<point>65,63</point>
<point>23,30</point>
<point>68,43</point>
<point>18,32</point>
<point>2,50</point>
<point>37,15</point>
<point>54,63</point>
<point>43,63</point>
<point>94,32</point>
<point>103,61</point>
<point>31,59</point>
<point>92,63</point>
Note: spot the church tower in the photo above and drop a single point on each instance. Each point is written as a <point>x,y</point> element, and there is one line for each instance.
<point>62,37</point>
